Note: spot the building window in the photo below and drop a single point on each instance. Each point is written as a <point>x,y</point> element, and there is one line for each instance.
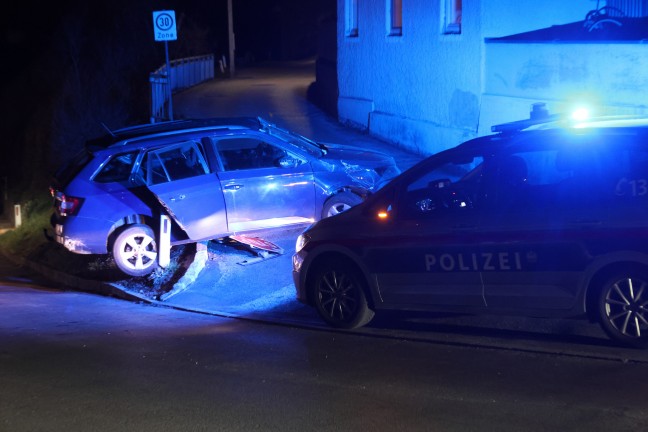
<point>631,8</point>
<point>351,16</point>
<point>452,17</point>
<point>395,17</point>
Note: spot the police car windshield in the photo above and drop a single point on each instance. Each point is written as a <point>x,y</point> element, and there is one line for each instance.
<point>446,171</point>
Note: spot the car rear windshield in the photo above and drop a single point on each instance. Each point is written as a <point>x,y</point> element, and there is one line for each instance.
<point>70,169</point>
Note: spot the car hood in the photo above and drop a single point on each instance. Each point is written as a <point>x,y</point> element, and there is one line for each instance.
<point>368,169</point>
<point>356,155</point>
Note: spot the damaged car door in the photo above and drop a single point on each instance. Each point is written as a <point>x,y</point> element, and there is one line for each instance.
<point>264,184</point>
<point>179,176</point>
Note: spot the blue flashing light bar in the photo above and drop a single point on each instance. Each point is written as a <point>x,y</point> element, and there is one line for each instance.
<point>539,115</point>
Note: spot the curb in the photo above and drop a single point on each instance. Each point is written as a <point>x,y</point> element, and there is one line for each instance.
<point>111,289</point>
<point>77,283</point>
<point>200,258</point>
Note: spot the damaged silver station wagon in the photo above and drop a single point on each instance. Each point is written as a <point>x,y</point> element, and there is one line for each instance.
<point>212,177</point>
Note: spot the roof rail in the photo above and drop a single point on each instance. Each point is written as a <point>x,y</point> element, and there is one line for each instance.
<point>137,131</point>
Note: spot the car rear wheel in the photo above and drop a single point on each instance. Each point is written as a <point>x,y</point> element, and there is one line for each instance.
<point>135,250</point>
<point>623,308</point>
<point>340,202</point>
<point>339,296</point>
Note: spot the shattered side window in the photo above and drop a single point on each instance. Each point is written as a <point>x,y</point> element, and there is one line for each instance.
<point>174,162</point>
<point>248,153</point>
<point>117,169</point>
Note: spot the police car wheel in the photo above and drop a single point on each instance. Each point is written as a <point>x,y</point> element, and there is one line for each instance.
<point>135,250</point>
<point>623,308</point>
<point>339,296</point>
<point>340,202</point>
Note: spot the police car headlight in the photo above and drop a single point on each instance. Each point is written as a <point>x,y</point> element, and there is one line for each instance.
<point>302,240</point>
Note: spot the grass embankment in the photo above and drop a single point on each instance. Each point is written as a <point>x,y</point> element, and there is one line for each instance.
<point>26,240</point>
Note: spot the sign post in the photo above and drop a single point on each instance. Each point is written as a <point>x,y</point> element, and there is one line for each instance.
<point>232,42</point>
<point>164,30</point>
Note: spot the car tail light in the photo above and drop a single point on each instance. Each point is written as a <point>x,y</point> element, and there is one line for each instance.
<point>67,205</point>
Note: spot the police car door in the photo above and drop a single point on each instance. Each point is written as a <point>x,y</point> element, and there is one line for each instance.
<point>426,255</point>
<point>545,205</point>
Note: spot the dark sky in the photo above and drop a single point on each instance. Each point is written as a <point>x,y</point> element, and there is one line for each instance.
<point>258,24</point>
<point>34,24</point>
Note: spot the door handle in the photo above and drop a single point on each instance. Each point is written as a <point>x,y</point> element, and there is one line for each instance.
<point>586,222</point>
<point>464,227</point>
<point>233,187</point>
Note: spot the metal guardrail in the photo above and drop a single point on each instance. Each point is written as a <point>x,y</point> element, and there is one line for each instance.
<point>184,73</point>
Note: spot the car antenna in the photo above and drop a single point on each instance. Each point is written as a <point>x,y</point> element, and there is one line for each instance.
<point>108,130</point>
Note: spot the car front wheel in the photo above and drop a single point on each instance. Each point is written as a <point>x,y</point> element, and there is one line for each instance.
<point>135,250</point>
<point>340,202</point>
<point>623,308</point>
<point>339,296</point>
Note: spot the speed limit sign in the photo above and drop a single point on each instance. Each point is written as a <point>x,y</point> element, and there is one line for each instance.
<point>164,25</point>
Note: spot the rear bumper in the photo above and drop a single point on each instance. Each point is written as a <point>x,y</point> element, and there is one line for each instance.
<point>71,244</point>
<point>81,235</point>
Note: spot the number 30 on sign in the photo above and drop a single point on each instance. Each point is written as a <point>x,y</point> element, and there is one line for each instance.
<point>164,25</point>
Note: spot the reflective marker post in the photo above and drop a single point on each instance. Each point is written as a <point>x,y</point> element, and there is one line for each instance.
<point>164,243</point>
<point>17,216</point>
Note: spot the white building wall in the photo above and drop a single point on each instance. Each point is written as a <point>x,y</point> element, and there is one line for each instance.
<point>601,77</point>
<point>423,90</point>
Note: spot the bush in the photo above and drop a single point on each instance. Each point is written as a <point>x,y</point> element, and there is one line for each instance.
<point>29,237</point>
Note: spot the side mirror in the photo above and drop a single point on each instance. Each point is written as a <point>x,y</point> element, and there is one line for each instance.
<point>439,184</point>
<point>288,162</point>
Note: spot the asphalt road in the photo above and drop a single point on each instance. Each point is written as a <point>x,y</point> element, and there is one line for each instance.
<point>75,361</point>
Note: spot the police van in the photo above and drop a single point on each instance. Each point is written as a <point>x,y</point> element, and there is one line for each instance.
<point>545,217</point>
